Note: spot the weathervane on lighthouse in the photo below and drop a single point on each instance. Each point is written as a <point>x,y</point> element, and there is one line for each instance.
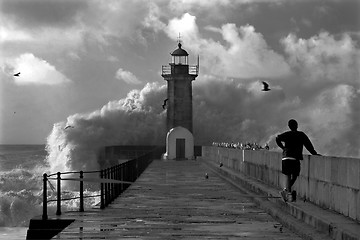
<point>179,120</point>
<point>179,38</point>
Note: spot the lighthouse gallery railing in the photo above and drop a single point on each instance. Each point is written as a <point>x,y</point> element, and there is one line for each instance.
<point>193,70</point>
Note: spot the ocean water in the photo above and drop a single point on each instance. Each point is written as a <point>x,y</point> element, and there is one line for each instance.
<point>21,193</point>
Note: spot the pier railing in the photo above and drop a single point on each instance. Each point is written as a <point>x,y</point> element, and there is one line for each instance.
<point>113,181</point>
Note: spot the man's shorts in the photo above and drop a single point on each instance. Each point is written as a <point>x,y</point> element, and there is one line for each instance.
<point>291,167</point>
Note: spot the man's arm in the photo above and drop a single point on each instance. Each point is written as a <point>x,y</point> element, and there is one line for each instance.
<point>308,145</point>
<point>279,142</point>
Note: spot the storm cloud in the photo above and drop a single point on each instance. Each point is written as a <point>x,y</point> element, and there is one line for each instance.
<point>83,58</point>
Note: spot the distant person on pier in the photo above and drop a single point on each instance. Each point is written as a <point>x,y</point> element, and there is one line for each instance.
<point>292,142</point>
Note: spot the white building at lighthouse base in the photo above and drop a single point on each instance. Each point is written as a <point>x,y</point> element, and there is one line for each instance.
<point>179,144</point>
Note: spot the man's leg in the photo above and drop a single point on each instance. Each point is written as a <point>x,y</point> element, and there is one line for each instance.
<point>288,183</point>
<point>286,170</point>
<point>294,175</point>
<point>295,171</point>
<point>292,180</point>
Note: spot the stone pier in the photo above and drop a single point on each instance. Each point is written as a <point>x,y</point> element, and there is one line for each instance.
<point>179,200</point>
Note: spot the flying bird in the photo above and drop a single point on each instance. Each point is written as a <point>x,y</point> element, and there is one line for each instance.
<point>164,104</point>
<point>206,175</point>
<point>68,127</point>
<point>221,164</point>
<point>279,226</point>
<point>17,74</point>
<point>266,86</point>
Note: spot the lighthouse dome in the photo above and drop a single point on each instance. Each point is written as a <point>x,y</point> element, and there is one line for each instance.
<point>179,51</point>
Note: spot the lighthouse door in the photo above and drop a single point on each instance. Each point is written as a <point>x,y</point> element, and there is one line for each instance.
<point>180,148</point>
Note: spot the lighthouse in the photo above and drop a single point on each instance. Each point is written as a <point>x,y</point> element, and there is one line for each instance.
<point>179,119</point>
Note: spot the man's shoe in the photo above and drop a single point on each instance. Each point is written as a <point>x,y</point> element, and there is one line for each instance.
<point>283,195</point>
<point>289,196</point>
<point>293,195</point>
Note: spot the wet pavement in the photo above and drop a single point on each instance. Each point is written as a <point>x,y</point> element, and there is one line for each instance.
<point>174,200</point>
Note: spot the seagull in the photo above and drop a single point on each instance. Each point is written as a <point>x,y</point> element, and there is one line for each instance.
<point>279,226</point>
<point>68,127</point>
<point>164,104</point>
<point>17,74</point>
<point>221,164</point>
<point>206,176</point>
<point>266,86</point>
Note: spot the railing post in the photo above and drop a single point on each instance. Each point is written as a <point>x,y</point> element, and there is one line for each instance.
<point>121,177</point>
<point>131,171</point>
<point>133,177</point>
<point>44,215</point>
<point>58,207</point>
<point>102,202</point>
<point>115,177</point>
<point>81,192</point>
<point>106,189</point>
<point>118,186</point>
<point>137,168</point>
<point>107,194</point>
<point>125,173</point>
<point>112,184</point>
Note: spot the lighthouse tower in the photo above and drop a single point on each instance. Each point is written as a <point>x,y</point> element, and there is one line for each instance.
<point>179,121</point>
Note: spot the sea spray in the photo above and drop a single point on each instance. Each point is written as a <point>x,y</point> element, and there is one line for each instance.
<point>137,119</point>
<point>20,197</point>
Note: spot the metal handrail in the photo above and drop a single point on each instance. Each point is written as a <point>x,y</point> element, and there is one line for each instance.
<point>67,199</point>
<point>167,70</point>
<point>122,175</point>
<point>194,70</point>
<point>53,174</point>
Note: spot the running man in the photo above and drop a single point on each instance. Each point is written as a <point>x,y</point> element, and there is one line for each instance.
<point>292,142</point>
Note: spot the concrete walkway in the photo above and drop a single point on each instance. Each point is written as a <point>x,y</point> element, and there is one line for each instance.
<point>174,200</point>
<point>305,218</point>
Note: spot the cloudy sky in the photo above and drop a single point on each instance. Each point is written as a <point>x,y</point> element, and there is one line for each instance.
<point>80,60</point>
